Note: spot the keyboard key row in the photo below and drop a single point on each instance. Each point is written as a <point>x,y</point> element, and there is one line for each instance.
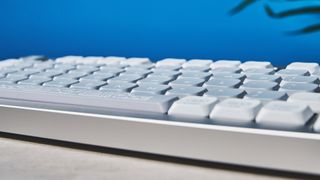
<point>311,67</point>
<point>275,114</point>
<point>90,98</point>
<point>249,66</point>
<point>78,73</point>
<point>189,83</point>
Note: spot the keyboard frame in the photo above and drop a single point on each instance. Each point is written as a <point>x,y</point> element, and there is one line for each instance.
<point>251,147</point>
<point>270,149</point>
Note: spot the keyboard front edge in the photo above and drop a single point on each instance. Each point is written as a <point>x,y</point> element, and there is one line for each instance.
<point>271,149</point>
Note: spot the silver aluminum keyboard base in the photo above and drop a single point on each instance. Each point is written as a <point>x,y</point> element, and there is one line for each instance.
<point>279,150</point>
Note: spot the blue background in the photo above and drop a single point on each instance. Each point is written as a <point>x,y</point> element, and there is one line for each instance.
<point>155,29</point>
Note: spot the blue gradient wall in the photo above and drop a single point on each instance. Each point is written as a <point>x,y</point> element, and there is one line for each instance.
<point>155,29</point>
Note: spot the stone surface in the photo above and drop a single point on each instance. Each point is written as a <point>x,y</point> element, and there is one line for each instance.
<point>33,161</point>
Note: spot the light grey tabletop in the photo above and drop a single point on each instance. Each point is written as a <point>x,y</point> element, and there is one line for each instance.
<point>28,160</point>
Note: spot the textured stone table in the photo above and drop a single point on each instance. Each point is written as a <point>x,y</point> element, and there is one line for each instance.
<point>29,160</point>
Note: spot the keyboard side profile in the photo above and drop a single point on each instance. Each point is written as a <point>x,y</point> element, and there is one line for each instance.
<point>195,109</point>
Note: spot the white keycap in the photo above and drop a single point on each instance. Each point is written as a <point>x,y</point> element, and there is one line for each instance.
<point>316,126</point>
<point>311,67</point>
<point>9,62</point>
<point>224,93</point>
<point>60,83</point>
<point>111,60</point>
<point>216,82</point>
<point>316,74</point>
<point>69,59</point>
<point>187,81</point>
<point>259,85</point>
<point>142,67</point>
<point>193,107</point>
<point>182,91</point>
<point>119,86</point>
<point>89,59</point>
<point>107,69</point>
<point>292,72</point>
<point>299,79</point>
<point>291,88</point>
<point>203,75</point>
<point>195,69</point>
<point>37,81</point>
<point>197,63</point>
<point>142,73</point>
<point>44,65</point>
<point>226,70</point>
<point>170,62</point>
<point>13,79</point>
<point>224,75</point>
<point>135,61</point>
<point>71,75</point>
<point>259,77</point>
<point>266,96</point>
<point>281,114</point>
<point>311,99</point>
<point>260,71</point>
<point>201,61</point>
<point>125,78</point>
<point>167,67</point>
<point>225,63</point>
<point>8,71</point>
<point>156,80</point>
<point>151,88</point>
<point>236,110</point>
<point>62,67</point>
<point>100,77</point>
<point>165,73</point>
<point>255,64</point>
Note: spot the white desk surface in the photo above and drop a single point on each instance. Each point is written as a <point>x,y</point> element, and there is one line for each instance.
<point>33,161</point>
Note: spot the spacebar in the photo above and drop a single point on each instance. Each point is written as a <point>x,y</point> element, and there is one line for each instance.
<point>92,98</point>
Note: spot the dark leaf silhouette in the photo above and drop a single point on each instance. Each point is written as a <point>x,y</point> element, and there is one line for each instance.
<point>309,29</point>
<point>308,10</point>
<point>241,6</point>
<point>293,12</point>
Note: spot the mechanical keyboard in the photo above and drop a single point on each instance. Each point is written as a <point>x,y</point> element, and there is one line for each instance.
<point>227,111</point>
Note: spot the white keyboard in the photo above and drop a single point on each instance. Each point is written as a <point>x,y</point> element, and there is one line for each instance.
<point>227,111</point>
